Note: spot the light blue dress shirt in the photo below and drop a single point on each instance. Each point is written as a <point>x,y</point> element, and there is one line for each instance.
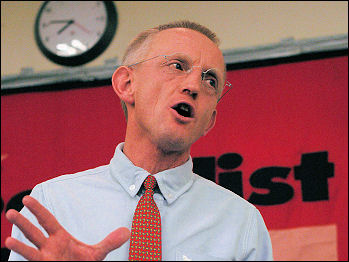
<point>200,219</point>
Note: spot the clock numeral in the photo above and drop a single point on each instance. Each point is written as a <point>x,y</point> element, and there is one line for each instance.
<point>47,39</point>
<point>100,18</point>
<point>48,10</point>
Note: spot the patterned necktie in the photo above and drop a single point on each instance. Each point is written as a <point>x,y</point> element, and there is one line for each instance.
<point>145,243</point>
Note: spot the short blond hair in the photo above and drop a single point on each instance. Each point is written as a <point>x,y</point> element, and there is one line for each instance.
<point>139,46</point>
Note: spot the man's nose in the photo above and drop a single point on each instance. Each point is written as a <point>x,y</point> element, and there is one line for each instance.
<point>190,93</point>
<point>193,83</point>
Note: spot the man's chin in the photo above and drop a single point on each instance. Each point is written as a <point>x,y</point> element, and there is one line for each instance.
<point>174,145</point>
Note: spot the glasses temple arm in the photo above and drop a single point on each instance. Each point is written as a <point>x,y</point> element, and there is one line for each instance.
<point>225,92</point>
<point>146,60</point>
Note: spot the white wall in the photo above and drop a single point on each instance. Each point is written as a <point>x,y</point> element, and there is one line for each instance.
<point>237,23</point>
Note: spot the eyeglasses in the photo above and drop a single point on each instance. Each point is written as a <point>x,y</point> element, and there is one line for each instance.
<point>180,65</point>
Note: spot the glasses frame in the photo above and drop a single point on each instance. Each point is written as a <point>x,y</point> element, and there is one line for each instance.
<point>227,83</point>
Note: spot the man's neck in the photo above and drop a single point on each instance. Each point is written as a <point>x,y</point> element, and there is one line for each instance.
<point>144,154</point>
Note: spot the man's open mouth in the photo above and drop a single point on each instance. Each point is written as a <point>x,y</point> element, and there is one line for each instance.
<point>184,109</point>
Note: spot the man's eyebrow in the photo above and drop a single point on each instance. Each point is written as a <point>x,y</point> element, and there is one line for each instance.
<point>180,56</point>
<point>211,73</point>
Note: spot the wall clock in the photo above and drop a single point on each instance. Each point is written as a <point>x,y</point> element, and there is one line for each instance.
<point>72,33</point>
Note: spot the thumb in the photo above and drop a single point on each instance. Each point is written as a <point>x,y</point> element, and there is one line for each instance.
<point>113,241</point>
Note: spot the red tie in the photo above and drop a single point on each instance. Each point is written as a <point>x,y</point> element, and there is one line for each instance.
<point>145,243</point>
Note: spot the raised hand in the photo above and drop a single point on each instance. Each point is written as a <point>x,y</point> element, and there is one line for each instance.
<point>60,245</point>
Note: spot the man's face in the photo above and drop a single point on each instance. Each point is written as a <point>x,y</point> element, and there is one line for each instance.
<point>157,114</point>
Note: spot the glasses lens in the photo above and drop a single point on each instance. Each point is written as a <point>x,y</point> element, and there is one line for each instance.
<point>210,79</point>
<point>177,63</point>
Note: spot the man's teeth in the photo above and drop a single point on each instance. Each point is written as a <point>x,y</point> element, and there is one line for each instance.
<point>184,108</point>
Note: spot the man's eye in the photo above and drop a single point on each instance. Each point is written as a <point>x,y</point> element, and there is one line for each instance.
<point>176,66</point>
<point>212,82</point>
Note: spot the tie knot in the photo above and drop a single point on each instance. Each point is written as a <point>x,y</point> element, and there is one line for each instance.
<point>150,182</point>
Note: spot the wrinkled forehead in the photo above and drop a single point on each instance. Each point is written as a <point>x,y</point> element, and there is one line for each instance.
<point>202,51</point>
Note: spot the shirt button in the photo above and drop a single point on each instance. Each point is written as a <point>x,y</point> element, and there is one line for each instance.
<point>169,195</point>
<point>132,187</point>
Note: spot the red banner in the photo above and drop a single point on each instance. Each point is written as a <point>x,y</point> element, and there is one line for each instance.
<point>280,141</point>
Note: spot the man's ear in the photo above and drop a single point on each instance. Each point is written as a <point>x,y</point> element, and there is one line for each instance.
<point>122,84</point>
<point>212,122</point>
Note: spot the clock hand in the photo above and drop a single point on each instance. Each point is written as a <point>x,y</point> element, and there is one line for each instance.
<point>82,27</point>
<point>66,26</point>
<point>59,21</point>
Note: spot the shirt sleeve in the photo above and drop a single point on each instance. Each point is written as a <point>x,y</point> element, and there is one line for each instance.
<point>258,242</point>
<point>36,193</point>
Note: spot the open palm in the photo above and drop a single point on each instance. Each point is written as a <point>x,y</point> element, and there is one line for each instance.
<point>60,245</point>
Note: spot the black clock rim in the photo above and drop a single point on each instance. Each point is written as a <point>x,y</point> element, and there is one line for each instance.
<point>95,51</point>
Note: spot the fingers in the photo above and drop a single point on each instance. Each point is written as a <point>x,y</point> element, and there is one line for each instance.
<point>44,217</point>
<point>31,232</point>
<point>27,252</point>
<point>114,240</point>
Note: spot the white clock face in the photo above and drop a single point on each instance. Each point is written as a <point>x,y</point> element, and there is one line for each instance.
<point>69,28</point>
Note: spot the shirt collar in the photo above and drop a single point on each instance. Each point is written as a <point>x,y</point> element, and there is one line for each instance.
<point>172,182</point>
